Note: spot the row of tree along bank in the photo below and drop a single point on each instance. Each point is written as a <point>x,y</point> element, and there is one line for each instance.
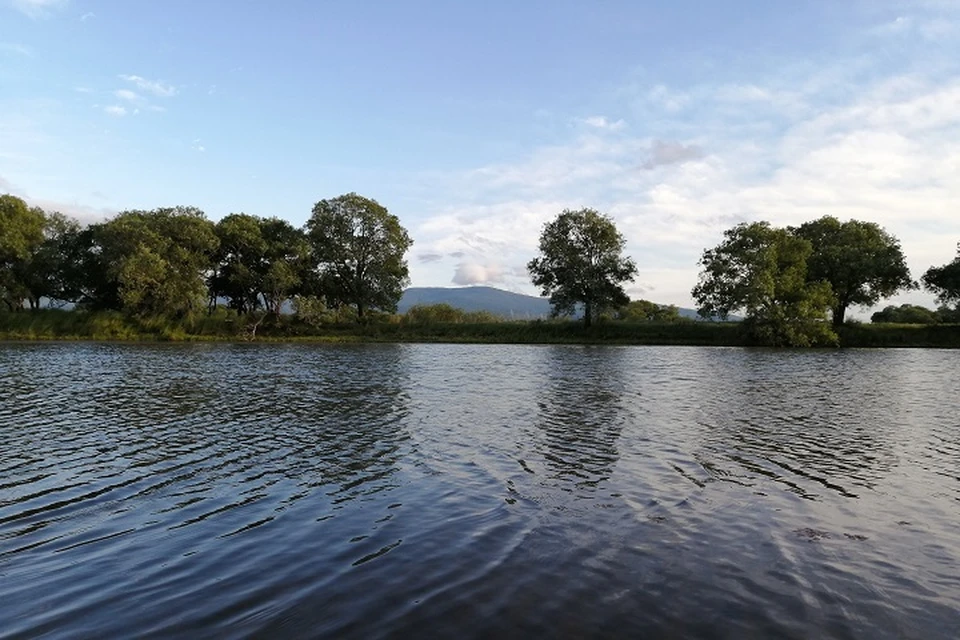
<point>171,273</point>
<point>785,281</point>
<point>225,325</point>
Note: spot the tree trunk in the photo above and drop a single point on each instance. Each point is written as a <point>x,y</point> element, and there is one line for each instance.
<point>587,313</point>
<point>839,312</point>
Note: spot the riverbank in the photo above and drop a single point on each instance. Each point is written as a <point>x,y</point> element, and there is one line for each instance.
<point>46,325</point>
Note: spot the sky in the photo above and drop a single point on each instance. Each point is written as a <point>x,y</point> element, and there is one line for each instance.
<point>477,122</point>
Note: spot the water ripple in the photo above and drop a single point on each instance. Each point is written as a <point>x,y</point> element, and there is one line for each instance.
<point>477,491</point>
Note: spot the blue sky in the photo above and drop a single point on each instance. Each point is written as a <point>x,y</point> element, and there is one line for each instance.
<point>475,123</point>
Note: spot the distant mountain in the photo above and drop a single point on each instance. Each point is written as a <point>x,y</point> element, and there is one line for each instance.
<point>497,301</point>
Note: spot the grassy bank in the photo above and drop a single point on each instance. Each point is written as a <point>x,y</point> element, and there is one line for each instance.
<point>113,326</point>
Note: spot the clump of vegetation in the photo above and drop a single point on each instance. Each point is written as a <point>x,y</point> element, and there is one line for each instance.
<point>171,274</point>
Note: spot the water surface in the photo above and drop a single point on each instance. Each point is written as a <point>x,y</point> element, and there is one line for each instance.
<point>478,491</point>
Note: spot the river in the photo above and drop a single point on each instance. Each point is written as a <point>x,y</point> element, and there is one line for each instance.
<point>479,491</point>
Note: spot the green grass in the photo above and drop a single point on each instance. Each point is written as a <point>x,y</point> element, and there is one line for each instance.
<point>50,324</point>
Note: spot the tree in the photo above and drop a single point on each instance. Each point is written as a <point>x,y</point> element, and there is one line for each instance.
<point>21,232</point>
<point>358,253</point>
<point>156,260</point>
<point>51,270</point>
<point>285,259</point>
<point>646,311</point>
<point>581,263</point>
<point>945,281</point>
<point>906,314</point>
<point>861,261</point>
<point>761,271</point>
<point>236,262</point>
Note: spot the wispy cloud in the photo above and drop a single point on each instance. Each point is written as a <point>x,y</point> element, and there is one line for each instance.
<point>38,8</point>
<point>115,110</point>
<point>601,122</point>
<point>87,16</point>
<point>85,214</point>
<point>154,87</point>
<point>129,96</point>
<point>18,49</point>
<point>197,146</point>
<point>884,147</point>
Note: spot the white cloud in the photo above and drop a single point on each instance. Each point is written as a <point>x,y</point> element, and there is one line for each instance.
<point>154,87</point>
<point>38,8</point>
<point>87,16</point>
<point>115,110</point>
<point>472,273</point>
<point>667,99</point>
<point>129,96</point>
<point>601,122</point>
<point>885,149</point>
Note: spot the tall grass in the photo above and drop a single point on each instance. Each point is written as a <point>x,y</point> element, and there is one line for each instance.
<point>225,325</point>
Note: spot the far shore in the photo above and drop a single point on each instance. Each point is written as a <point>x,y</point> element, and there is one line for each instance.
<point>52,325</point>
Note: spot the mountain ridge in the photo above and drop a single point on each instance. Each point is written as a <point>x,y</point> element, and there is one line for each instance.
<point>500,302</point>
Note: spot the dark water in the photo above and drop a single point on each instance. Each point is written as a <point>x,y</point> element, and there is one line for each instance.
<point>478,491</point>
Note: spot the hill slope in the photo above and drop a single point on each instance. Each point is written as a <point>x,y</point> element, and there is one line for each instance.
<point>496,301</point>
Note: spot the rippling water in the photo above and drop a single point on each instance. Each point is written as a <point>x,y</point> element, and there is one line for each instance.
<point>478,491</point>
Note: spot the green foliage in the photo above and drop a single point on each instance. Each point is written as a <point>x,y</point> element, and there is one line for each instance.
<point>358,253</point>
<point>51,270</point>
<point>761,271</point>
<point>861,261</point>
<point>646,311</point>
<point>157,259</point>
<point>906,314</point>
<point>581,263</point>
<point>21,233</point>
<point>312,311</point>
<point>944,281</point>
<point>444,313</point>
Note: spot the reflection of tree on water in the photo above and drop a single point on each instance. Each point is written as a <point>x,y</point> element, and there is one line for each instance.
<point>580,414</point>
<point>341,419</point>
<point>815,422</point>
<point>326,417</point>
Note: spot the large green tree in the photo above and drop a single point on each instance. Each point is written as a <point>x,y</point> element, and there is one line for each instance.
<point>51,270</point>
<point>21,232</point>
<point>157,260</point>
<point>944,281</point>
<point>237,262</point>
<point>761,271</point>
<point>581,262</point>
<point>286,256</point>
<point>358,250</point>
<point>861,261</point>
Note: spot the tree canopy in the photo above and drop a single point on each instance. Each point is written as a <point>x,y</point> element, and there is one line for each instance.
<point>944,281</point>
<point>646,311</point>
<point>156,260</point>
<point>581,262</point>
<point>358,250</point>
<point>761,271</point>
<point>21,233</point>
<point>861,261</point>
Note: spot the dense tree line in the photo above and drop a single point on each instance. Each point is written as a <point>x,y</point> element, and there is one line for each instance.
<point>174,261</point>
<point>787,280</point>
<point>794,285</point>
